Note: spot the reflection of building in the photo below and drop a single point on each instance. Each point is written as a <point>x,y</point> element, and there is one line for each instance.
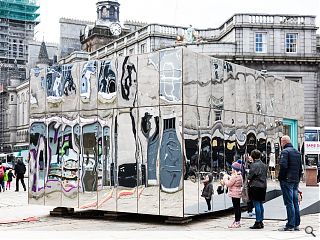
<point>17,22</point>
<point>284,45</point>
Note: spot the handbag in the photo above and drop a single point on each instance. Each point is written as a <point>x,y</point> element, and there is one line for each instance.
<point>244,191</point>
<point>220,189</point>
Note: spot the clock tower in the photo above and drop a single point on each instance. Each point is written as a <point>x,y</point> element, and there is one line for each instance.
<point>106,29</point>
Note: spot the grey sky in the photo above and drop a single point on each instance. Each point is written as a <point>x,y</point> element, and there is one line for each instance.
<point>199,13</point>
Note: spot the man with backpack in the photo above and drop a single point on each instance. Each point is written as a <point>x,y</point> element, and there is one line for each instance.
<point>20,170</point>
<point>2,171</point>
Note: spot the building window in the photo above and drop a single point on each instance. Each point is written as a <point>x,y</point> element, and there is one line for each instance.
<point>11,98</point>
<point>143,48</point>
<point>291,42</point>
<point>261,42</point>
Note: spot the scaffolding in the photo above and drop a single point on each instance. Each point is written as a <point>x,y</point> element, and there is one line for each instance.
<point>17,21</point>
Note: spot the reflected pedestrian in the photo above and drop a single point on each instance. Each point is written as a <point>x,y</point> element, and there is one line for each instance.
<point>290,174</point>
<point>2,172</point>
<point>207,190</point>
<point>10,177</point>
<point>257,179</point>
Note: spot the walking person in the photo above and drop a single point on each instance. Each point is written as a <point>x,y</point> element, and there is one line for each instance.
<point>2,172</point>
<point>207,190</point>
<point>257,180</point>
<point>20,170</point>
<point>5,179</point>
<point>234,183</point>
<point>289,177</point>
<point>10,177</point>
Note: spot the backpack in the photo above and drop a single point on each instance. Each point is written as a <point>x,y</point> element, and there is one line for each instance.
<point>1,172</point>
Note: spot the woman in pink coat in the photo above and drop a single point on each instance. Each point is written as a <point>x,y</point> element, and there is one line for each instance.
<point>234,184</point>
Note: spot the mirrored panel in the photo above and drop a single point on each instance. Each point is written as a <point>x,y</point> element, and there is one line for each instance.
<point>204,81</point>
<point>260,93</point>
<point>88,164</point>
<point>148,77</point>
<point>217,158</point>
<point>241,135</point>
<point>205,161</point>
<point>106,161</point>
<point>191,153</point>
<point>230,141</point>
<point>229,86</point>
<point>127,150</point>
<point>54,89</point>
<point>37,91</point>
<point>250,85</point>
<point>216,100</point>
<point>70,86</point>
<point>270,152</point>
<point>190,78</point>
<point>278,97</point>
<point>88,85</point>
<point>148,162</point>
<point>55,153</point>
<point>270,96</point>
<point>38,159</point>
<point>262,137</point>
<point>171,161</point>
<point>70,151</point>
<point>170,76</point>
<point>127,85</point>
<point>241,93</point>
<point>107,83</point>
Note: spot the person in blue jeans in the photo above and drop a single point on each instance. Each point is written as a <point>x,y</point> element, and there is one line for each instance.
<point>257,181</point>
<point>289,177</point>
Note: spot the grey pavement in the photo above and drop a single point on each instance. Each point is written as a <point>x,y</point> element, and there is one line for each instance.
<point>14,207</point>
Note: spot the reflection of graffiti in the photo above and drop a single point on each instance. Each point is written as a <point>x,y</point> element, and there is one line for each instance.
<point>107,83</point>
<point>54,84</point>
<point>170,157</point>
<point>88,69</point>
<point>128,79</point>
<point>37,160</point>
<point>69,86</point>
<point>170,76</point>
<point>153,145</point>
<point>89,175</point>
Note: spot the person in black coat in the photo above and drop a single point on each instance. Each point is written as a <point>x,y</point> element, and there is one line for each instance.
<point>19,171</point>
<point>207,190</point>
<point>289,177</point>
<point>257,179</point>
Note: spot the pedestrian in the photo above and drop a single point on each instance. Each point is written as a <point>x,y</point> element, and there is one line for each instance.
<point>207,190</point>
<point>257,180</point>
<point>2,171</point>
<point>20,170</point>
<point>10,176</point>
<point>250,206</point>
<point>5,179</point>
<point>234,183</point>
<point>289,177</point>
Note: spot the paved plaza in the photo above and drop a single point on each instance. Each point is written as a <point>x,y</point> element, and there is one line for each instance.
<point>19,219</point>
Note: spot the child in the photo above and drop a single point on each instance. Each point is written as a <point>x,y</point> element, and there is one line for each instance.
<point>207,190</point>
<point>10,176</point>
<point>5,179</point>
<point>234,183</point>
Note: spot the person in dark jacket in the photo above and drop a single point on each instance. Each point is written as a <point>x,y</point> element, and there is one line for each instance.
<point>207,190</point>
<point>19,171</point>
<point>289,177</point>
<point>257,179</point>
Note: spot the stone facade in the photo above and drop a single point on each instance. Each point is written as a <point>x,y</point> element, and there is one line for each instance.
<point>257,41</point>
